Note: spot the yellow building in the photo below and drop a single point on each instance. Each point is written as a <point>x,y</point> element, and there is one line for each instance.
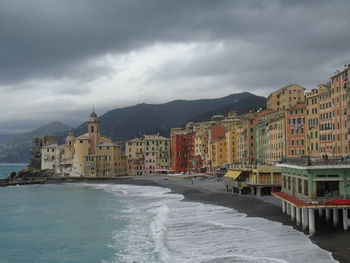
<point>107,161</point>
<point>218,152</point>
<point>312,100</point>
<point>93,154</point>
<point>277,139</point>
<point>232,143</point>
<point>285,97</point>
<point>201,144</point>
<point>135,152</point>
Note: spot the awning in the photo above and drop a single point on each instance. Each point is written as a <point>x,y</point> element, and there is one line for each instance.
<point>233,174</point>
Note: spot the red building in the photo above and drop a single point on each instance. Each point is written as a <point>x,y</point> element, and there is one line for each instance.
<point>182,151</point>
<point>295,131</point>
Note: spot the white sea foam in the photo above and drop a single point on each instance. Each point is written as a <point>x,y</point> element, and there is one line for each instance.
<point>162,228</point>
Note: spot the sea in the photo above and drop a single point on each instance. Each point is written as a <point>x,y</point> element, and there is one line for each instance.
<point>7,168</point>
<point>110,223</point>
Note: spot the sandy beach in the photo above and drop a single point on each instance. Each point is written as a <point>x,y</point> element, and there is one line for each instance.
<point>332,239</point>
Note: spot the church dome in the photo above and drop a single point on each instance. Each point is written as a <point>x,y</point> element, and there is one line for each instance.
<point>70,137</point>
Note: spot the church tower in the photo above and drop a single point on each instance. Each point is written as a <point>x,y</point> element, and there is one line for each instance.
<point>93,124</point>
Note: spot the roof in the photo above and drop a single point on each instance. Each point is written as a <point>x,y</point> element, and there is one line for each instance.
<point>105,144</point>
<point>84,136</point>
<point>54,145</point>
<point>155,137</point>
<point>314,167</point>
<point>135,140</point>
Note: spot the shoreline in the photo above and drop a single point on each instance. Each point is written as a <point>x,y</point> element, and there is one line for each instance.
<point>331,239</point>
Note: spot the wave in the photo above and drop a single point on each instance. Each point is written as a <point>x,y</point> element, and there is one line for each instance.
<point>229,226</point>
<point>163,228</point>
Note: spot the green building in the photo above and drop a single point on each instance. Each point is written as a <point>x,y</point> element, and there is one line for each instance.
<point>311,191</point>
<point>316,183</point>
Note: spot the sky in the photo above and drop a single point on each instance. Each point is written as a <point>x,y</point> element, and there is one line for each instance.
<point>59,58</point>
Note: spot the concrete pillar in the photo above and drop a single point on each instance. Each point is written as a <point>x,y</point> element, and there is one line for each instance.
<point>312,226</point>
<point>298,215</point>
<point>320,212</point>
<point>288,209</point>
<point>292,212</point>
<point>335,216</point>
<point>258,191</point>
<point>284,207</point>
<point>239,191</point>
<point>304,218</point>
<point>328,214</point>
<point>345,219</point>
<point>271,177</point>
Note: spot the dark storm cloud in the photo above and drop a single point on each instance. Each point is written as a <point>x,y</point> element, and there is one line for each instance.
<point>40,38</point>
<point>257,46</point>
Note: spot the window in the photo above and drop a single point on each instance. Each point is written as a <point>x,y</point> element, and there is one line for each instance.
<point>306,187</point>
<point>299,186</point>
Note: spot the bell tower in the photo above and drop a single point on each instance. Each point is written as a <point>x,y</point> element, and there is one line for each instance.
<point>93,124</point>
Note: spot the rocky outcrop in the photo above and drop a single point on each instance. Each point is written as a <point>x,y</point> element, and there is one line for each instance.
<point>30,174</point>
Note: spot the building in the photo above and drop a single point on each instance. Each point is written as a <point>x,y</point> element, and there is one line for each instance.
<point>277,137</point>
<point>106,161</point>
<point>182,150</point>
<point>201,146</point>
<point>339,95</point>
<point>36,150</point>
<point>325,121</point>
<point>317,187</point>
<point>261,141</point>
<point>218,152</point>
<point>245,136</point>
<point>285,97</point>
<point>256,180</point>
<point>231,143</point>
<point>88,155</point>
<point>312,101</point>
<point>157,154</point>
<point>295,131</point>
<point>48,156</point>
<point>135,152</point>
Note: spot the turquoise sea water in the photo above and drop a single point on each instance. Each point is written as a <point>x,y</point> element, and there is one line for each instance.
<point>7,168</point>
<point>107,223</point>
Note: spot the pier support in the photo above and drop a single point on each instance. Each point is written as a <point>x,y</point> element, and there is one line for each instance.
<point>345,219</point>
<point>304,218</point>
<point>335,216</point>
<point>320,212</point>
<point>298,215</point>
<point>312,226</point>
<point>283,207</point>
<point>258,191</point>
<point>288,209</point>
<point>328,214</point>
<point>292,212</point>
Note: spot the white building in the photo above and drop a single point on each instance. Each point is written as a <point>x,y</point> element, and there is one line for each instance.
<point>48,156</point>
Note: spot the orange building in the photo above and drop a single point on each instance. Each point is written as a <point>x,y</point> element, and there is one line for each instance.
<point>295,131</point>
<point>339,96</point>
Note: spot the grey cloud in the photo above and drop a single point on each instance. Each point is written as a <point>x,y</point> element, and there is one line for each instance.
<point>40,38</point>
<point>266,43</point>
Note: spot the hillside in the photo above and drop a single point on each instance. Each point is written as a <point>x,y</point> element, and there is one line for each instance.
<point>17,148</point>
<point>126,123</point>
<point>129,122</point>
